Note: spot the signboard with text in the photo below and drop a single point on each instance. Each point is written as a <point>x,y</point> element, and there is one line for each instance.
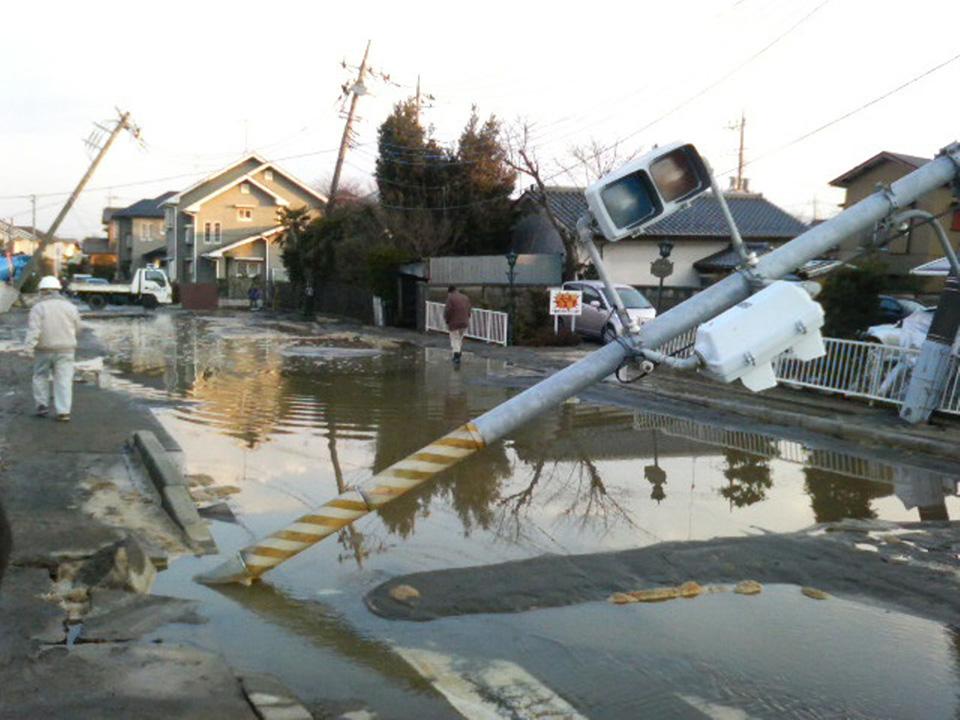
<point>566,302</point>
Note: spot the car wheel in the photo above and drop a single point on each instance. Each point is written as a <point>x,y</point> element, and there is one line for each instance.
<point>96,302</point>
<point>150,302</point>
<point>608,335</point>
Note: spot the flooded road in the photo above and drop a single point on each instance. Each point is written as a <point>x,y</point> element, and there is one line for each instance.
<point>277,421</point>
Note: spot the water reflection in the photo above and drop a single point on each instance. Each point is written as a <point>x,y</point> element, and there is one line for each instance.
<point>582,475</point>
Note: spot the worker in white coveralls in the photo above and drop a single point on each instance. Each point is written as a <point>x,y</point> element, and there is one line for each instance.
<point>52,334</point>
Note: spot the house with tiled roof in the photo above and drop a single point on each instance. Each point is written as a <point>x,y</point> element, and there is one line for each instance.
<point>919,244</point>
<point>698,233</point>
<point>139,232</point>
<point>225,226</point>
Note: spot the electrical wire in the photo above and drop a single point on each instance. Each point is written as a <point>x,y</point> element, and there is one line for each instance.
<point>161,179</point>
<point>703,91</point>
<point>853,112</point>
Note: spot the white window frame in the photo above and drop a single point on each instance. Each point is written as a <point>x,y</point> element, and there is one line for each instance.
<point>207,230</point>
<point>268,175</point>
<point>217,232</point>
<point>245,214</point>
<point>244,188</point>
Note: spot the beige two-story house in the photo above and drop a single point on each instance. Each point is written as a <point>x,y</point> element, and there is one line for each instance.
<point>226,226</point>
<point>919,244</point>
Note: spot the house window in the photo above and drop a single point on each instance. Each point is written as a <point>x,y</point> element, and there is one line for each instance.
<point>211,233</point>
<point>245,188</point>
<point>245,214</point>
<point>247,269</point>
<point>268,175</point>
<point>188,234</point>
<point>168,218</point>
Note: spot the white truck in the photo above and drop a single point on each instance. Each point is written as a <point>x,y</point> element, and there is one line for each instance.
<point>149,287</point>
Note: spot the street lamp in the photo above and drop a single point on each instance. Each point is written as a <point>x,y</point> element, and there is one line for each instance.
<point>511,257</point>
<point>662,268</point>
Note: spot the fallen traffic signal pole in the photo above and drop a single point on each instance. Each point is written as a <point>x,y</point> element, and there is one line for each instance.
<point>420,467</point>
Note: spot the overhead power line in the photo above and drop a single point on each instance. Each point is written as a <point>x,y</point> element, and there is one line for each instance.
<point>703,91</point>
<point>851,113</point>
<point>198,173</point>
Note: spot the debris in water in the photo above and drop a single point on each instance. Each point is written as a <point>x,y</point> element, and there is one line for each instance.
<point>748,587</point>
<point>223,490</point>
<point>656,594</point>
<point>689,589</point>
<point>812,592</point>
<point>406,594</point>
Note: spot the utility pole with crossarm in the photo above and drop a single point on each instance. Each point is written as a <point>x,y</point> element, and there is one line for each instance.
<point>122,123</point>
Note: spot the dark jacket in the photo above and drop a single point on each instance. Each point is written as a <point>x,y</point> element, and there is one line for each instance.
<point>456,312</point>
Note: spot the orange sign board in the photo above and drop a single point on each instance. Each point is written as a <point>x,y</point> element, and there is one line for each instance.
<point>566,302</point>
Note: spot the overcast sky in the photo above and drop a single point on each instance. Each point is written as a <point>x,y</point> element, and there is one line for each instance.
<point>207,80</point>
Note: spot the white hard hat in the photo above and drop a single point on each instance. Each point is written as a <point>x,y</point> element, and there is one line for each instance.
<point>49,282</point>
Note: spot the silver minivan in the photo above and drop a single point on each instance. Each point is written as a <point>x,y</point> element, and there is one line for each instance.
<point>599,321</point>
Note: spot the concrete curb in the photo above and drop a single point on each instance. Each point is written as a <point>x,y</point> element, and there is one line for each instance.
<point>172,486</point>
<point>271,699</point>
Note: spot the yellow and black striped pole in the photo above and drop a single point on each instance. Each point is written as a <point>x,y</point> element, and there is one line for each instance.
<point>419,467</point>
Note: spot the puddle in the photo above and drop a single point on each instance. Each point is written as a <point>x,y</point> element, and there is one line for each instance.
<point>253,408</point>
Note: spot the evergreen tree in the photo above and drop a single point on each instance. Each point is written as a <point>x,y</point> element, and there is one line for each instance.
<point>483,193</point>
<point>438,201</point>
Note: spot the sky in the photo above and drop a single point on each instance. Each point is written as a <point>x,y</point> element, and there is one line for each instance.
<point>207,81</point>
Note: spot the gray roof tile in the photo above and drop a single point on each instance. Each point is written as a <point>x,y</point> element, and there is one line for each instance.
<point>146,208</point>
<point>756,217</point>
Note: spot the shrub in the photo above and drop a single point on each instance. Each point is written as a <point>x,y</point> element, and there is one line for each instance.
<point>850,299</point>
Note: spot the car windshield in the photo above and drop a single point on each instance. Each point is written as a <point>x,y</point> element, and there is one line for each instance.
<point>632,299</point>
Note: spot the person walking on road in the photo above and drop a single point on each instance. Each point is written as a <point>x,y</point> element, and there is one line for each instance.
<point>52,335</point>
<point>456,313</point>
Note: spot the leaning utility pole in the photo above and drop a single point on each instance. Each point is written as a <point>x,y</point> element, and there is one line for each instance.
<point>356,91</point>
<point>423,465</point>
<point>123,123</point>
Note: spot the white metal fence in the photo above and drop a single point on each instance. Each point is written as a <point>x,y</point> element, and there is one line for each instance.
<point>487,325</point>
<point>850,367</point>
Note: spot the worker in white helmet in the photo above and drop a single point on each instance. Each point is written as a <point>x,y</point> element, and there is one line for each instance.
<point>52,334</point>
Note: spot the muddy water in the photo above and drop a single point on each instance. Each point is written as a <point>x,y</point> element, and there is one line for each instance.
<point>288,420</point>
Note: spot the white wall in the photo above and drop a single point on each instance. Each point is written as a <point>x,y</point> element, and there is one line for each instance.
<point>628,261</point>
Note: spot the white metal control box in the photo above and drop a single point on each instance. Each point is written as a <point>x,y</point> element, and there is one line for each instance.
<point>743,342</point>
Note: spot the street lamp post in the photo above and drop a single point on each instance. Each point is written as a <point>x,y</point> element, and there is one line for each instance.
<point>662,268</point>
<point>511,308</point>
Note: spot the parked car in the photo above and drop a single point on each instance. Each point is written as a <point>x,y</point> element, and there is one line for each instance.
<point>894,309</point>
<point>599,321</point>
<point>894,333</point>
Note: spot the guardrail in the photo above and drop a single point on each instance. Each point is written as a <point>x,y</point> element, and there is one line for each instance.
<point>486,325</point>
<point>852,368</point>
